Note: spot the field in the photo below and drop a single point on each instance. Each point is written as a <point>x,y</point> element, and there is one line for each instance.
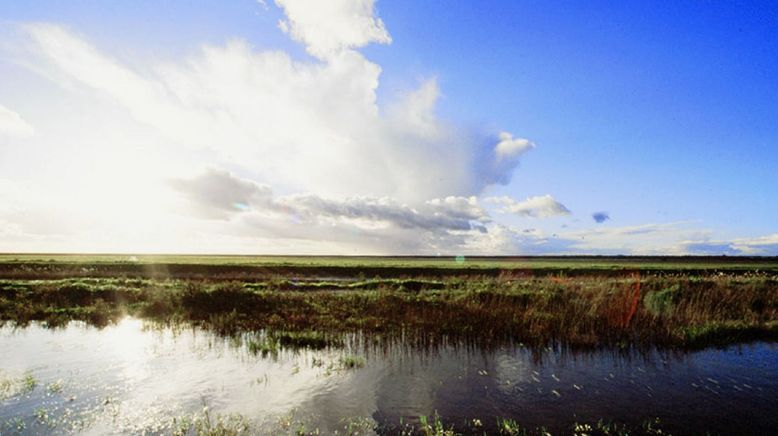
<point>543,263</point>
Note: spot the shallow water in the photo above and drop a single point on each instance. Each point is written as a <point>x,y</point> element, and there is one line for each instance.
<point>128,378</point>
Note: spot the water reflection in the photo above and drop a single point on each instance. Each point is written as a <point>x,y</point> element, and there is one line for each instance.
<point>132,377</point>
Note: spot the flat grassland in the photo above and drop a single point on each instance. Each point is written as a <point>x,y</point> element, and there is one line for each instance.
<point>546,263</point>
<point>677,302</point>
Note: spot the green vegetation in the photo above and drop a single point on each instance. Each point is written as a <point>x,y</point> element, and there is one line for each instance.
<point>434,427</point>
<point>206,424</point>
<point>261,268</point>
<point>55,387</point>
<point>351,362</point>
<point>29,383</point>
<point>310,339</point>
<point>452,261</point>
<point>510,427</point>
<point>271,342</point>
<point>671,309</point>
<point>264,346</point>
<point>663,302</point>
<point>10,386</point>
<point>6,387</point>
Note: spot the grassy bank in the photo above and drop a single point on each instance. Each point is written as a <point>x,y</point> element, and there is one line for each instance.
<point>677,310</point>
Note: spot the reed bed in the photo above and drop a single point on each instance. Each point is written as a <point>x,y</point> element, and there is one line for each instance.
<point>673,310</point>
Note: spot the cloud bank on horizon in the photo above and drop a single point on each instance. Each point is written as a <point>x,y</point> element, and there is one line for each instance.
<point>234,149</point>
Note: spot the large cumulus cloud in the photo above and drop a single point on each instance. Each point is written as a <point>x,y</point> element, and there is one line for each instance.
<point>306,125</point>
<point>320,158</point>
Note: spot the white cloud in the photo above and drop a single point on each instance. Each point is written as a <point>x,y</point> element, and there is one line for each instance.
<point>254,110</point>
<point>678,238</point>
<point>12,124</point>
<point>346,172</point>
<point>221,194</point>
<point>61,55</point>
<point>451,225</point>
<point>327,27</point>
<point>12,197</point>
<point>758,246</point>
<point>510,147</point>
<point>504,158</point>
<point>415,113</point>
<point>217,193</point>
<point>544,206</point>
<point>708,248</point>
<point>644,239</point>
<point>377,225</point>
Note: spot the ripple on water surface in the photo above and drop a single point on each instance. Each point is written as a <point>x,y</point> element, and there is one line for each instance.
<point>128,378</point>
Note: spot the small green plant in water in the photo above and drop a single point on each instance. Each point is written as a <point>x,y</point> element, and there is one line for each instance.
<point>434,427</point>
<point>44,418</point>
<point>351,362</point>
<point>265,346</point>
<point>55,387</point>
<point>653,427</point>
<point>510,427</point>
<point>359,426</point>
<point>203,424</point>
<point>312,339</point>
<point>6,387</point>
<point>29,383</point>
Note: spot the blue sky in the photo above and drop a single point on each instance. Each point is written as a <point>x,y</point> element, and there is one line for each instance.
<point>661,115</point>
<point>655,113</point>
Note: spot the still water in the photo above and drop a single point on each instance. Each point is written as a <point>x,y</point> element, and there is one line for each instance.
<point>129,378</point>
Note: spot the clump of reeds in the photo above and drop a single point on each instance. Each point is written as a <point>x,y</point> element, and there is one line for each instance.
<point>352,362</point>
<point>206,423</point>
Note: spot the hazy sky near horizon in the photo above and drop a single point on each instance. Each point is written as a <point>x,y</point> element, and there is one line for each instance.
<point>389,127</point>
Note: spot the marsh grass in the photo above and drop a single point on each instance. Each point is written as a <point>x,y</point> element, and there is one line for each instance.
<point>510,427</point>
<point>352,362</point>
<point>206,423</point>
<point>308,339</point>
<point>270,343</point>
<point>610,428</point>
<point>264,346</point>
<point>676,310</point>
<point>12,386</point>
<point>29,383</point>
<point>55,387</point>
<point>7,386</point>
<point>434,427</point>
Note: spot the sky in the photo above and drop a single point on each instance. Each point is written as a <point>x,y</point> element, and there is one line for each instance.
<point>389,127</point>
